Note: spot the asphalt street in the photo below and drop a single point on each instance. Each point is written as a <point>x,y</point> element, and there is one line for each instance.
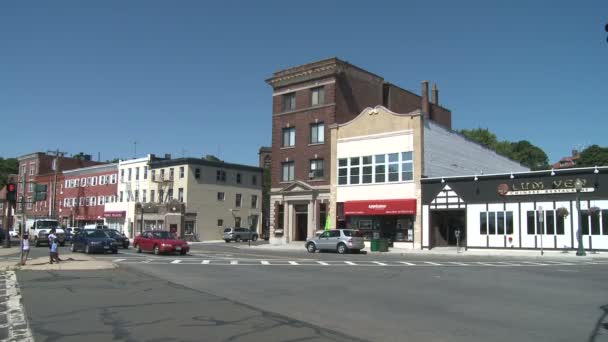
<point>240,293</point>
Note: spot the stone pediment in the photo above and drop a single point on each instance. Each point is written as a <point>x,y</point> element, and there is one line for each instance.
<point>297,186</point>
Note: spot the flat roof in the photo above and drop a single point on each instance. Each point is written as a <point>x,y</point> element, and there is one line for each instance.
<point>577,170</point>
<point>203,162</point>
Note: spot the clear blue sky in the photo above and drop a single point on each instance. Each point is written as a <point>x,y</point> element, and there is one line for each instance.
<point>95,76</point>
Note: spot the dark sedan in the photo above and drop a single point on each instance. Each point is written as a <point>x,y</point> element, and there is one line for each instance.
<point>122,240</point>
<point>92,241</point>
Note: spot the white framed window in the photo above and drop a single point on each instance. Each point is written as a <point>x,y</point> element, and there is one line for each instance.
<point>180,194</point>
<point>254,201</point>
<point>33,168</point>
<point>152,196</point>
<point>101,200</point>
<point>93,201</point>
<point>67,183</point>
<point>66,202</point>
<point>136,195</point>
<point>122,175</point>
<point>143,196</point>
<point>342,171</point>
<point>83,201</point>
<point>129,174</point>
<point>317,133</point>
<point>29,203</point>
<point>288,171</point>
<point>354,170</point>
<point>145,172</point>
<point>317,96</point>
<point>238,200</point>
<point>407,166</point>
<point>83,182</point>
<point>289,137</point>
<point>379,168</point>
<point>289,102</point>
<point>366,170</point>
<point>93,181</point>
<point>317,168</point>
<point>220,196</point>
<point>393,167</point>
<point>30,187</point>
<point>121,196</point>
<point>113,178</point>
<point>181,172</point>
<point>136,173</point>
<point>76,183</point>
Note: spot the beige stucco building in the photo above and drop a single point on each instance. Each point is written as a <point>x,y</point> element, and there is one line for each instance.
<point>188,196</point>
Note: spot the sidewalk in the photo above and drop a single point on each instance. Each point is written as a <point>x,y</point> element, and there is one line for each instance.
<point>70,261</point>
<point>299,246</point>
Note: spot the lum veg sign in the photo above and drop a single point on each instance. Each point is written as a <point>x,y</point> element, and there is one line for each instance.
<point>542,188</point>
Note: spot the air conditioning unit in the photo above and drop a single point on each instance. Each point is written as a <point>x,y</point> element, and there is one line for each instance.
<point>311,175</point>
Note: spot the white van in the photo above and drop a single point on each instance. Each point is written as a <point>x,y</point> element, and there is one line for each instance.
<point>95,226</point>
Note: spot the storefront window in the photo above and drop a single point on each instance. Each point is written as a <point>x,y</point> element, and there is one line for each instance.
<point>398,228</point>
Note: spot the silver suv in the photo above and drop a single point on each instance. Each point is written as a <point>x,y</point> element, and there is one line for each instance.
<point>339,240</point>
<point>238,234</point>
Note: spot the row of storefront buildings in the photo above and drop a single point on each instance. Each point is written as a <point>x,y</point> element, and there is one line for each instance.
<point>188,196</point>
<point>350,150</point>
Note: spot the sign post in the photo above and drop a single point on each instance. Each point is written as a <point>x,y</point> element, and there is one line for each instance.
<point>541,221</point>
<point>457,233</point>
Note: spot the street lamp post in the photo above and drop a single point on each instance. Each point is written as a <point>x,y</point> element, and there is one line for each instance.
<point>541,222</point>
<point>578,185</point>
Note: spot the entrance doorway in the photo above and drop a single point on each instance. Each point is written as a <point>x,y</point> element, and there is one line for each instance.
<point>445,224</point>
<point>301,229</point>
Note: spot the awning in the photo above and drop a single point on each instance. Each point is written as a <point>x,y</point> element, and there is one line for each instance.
<point>381,207</point>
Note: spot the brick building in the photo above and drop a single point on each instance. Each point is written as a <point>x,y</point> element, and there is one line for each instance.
<point>307,99</point>
<point>40,168</point>
<point>84,193</point>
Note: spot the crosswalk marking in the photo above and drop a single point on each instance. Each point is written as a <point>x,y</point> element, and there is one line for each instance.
<point>379,263</point>
<point>457,263</point>
<point>264,262</point>
<point>350,263</point>
<point>322,263</point>
<point>407,263</point>
<point>432,263</point>
<point>485,263</point>
<point>293,263</point>
<point>118,260</point>
<point>205,262</point>
<point>234,262</point>
<point>176,261</point>
<point>534,263</point>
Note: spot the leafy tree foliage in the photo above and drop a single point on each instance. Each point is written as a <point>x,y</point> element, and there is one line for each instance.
<point>593,155</point>
<point>521,151</point>
<point>7,166</point>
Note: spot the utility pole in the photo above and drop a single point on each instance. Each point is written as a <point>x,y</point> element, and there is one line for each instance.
<point>52,207</point>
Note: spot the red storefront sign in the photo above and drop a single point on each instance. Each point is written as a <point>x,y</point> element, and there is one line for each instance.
<point>114,214</point>
<point>381,207</point>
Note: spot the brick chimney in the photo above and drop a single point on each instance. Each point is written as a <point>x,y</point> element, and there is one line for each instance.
<point>435,95</point>
<point>425,100</point>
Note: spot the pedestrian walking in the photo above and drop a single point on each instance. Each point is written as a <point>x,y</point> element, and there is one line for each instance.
<point>52,237</point>
<point>54,256</point>
<point>25,248</point>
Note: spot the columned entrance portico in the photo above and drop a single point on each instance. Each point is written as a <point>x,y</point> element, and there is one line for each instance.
<point>297,211</point>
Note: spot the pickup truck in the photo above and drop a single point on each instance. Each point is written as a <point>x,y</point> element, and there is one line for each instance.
<point>40,229</point>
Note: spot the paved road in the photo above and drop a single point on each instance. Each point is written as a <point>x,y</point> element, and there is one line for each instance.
<point>376,298</point>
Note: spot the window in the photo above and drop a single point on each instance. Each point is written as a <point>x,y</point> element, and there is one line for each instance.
<point>530,221</point>
<point>317,133</point>
<point>136,173</point>
<point>491,223</point>
<point>162,174</point>
<point>509,223</point>
<point>23,172</point>
<point>254,180</point>
<point>136,196</point>
<point>220,196</point>
<point>181,172</point>
<point>93,201</point>
<point>152,194</point>
<point>93,181</point>
<point>254,201</point>
<point>171,173</point>
<point>380,167</point>
<point>143,196</point>
<point>29,203</point>
<point>170,195</point>
<point>197,173</point>
<point>393,167</point>
<point>289,102</point>
<point>354,170</point>
<point>101,200</point>
<point>66,202</point>
<point>220,222</point>
<point>500,223</point>
<point>342,171</point>
<point>83,182</point>
<point>238,178</point>
<point>161,196</point>
<point>595,224</point>
<point>281,216</point>
<point>129,174</point>
<point>121,196</point>
<point>67,183</point>
<point>317,96</point>
<point>30,187</point>
<point>316,168</point>
<point>238,201</point>
<point>288,172</point>
<point>496,223</point>
<point>604,222</point>
<point>407,166</point>
<point>102,180</point>
<point>180,194</point>
<point>289,137</point>
<point>153,175</point>
<point>237,222</point>
<point>33,168</point>
<point>122,174</point>
<point>220,175</point>
<point>113,179</point>
<point>145,172</point>
<point>366,168</point>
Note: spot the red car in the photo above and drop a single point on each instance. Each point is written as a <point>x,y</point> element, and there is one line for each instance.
<point>160,241</point>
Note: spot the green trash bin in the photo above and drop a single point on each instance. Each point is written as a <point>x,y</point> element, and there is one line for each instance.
<point>383,245</point>
<point>375,245</point>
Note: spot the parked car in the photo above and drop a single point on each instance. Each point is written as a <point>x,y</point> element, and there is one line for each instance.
<point>339,240</point>
<point>41,237</point>
<point>160,241</point>
<point>122,240</point>
<point>93,240</point>
<point>238,234</point>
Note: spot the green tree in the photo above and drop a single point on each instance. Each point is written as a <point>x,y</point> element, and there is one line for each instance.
<point>593,155</point>
<point>7,166</point>
<point>481,136</point>
<point>211,157</point>
<point>529,155</point>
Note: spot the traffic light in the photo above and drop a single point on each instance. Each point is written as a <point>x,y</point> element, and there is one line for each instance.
<point>11,192</point>
<point>39,192</point>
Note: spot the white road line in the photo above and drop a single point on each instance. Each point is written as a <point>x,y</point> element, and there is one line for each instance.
<point>234,262</point>
<point>264,262</point>
<point>322,263</point>
<point>16,320</point>
<point>176,261</point>
<point>407,263</point>
<point>507,263</point>
<point>485,263</point>
<point>118,260</point>
<point>432,263</point>
<point>350,263</point>
<point>379,263</point>
<point>205,262</point>
<point>534,263</point>
<point>293,263</point>
<point>458,263</point>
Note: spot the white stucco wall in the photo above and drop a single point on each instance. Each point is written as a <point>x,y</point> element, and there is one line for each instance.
<point>447,153</point>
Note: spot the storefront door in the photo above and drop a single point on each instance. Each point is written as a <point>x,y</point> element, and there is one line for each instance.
<point>444,227</point>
